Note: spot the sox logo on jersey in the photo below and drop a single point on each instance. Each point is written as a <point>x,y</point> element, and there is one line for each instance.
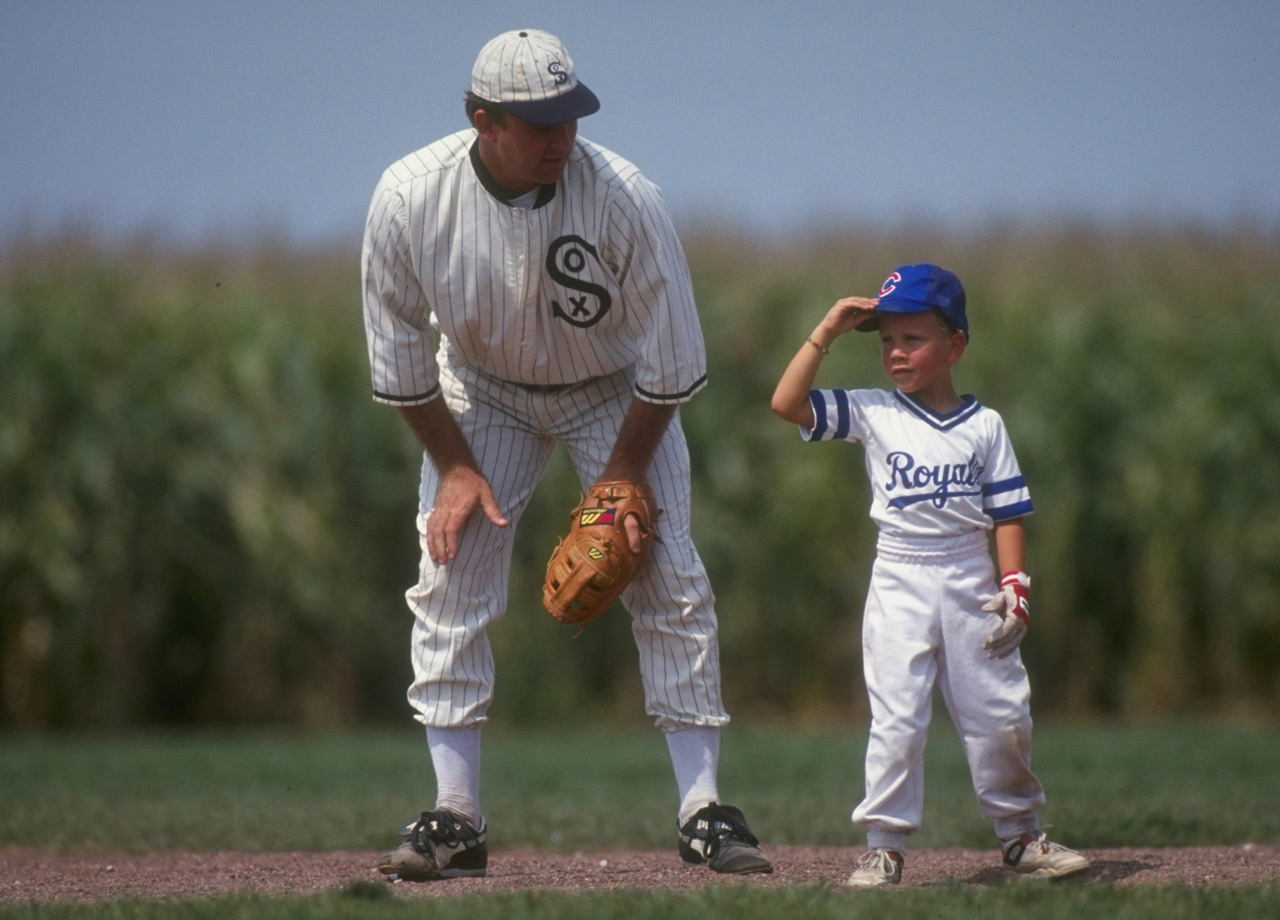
<point>566,258</point>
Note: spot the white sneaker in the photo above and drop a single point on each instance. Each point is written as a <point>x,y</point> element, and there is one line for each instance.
<point>1034,856</point>
<point>875,868</point>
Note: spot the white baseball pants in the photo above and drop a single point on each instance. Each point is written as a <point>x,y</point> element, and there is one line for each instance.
<point>923,624</point>
<point>513,431</point>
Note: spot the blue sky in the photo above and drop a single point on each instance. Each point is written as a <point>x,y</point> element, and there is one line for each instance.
<point>247,119</point>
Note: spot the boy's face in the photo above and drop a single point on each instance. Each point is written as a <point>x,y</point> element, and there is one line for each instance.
<point>917,351</point>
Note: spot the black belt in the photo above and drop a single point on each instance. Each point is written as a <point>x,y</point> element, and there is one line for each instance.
<point>549,387</point>
<point>541,387</point>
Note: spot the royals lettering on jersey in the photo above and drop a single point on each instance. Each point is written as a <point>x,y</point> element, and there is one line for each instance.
<point>930,475</point>
<point>939,481</point>
<point>589,281</point>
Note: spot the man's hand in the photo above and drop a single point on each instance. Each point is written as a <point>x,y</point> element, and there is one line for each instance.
<point>462,487</point>
<point>636,531</point>
<point>461,490</point>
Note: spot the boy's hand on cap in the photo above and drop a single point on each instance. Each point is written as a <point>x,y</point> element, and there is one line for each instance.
<point>849,313</point>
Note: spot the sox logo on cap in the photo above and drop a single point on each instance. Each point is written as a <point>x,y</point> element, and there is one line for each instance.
<point>529,73</point>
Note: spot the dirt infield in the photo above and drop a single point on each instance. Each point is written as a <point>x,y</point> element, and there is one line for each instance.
<point>34,875</point>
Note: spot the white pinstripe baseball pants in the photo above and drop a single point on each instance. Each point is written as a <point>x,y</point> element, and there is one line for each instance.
<point>924,623</point>
<point>513,431</point>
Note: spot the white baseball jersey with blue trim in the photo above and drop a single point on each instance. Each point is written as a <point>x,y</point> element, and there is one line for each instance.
<point>931,475</point>
<point>590,281</point>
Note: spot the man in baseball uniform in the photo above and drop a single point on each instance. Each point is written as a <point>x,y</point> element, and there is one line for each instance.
<point>524,287</point>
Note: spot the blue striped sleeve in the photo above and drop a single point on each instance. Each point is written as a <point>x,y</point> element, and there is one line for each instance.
<point>1004,485</point>
<point>1009,512</point>
<point>819,404</point>
<point>1006,499</point>
<point>842,414</point>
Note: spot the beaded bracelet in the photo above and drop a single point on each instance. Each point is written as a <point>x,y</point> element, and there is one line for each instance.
<point>809,339</point>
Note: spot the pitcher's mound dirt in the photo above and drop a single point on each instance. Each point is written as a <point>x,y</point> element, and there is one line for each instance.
<point>34,875</point>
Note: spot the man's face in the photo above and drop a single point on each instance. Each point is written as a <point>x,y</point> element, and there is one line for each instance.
<point>521,155</point>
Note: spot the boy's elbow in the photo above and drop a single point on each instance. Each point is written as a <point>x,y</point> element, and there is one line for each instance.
<point>783,408</point>
<point>790,411</point>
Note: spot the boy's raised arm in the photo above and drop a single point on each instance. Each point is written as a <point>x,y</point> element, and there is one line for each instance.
<point>791,396</point>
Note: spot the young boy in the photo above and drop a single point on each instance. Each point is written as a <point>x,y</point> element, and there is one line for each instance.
<point>942,475</point>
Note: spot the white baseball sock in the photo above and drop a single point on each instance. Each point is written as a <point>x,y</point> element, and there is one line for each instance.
<point>695,755</point>
<point>455,754</point>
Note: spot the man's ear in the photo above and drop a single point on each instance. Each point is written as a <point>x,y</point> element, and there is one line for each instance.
<point>958,345</point>
<point>487,127</point>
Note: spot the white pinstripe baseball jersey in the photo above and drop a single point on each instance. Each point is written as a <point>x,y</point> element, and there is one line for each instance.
<point>586,285</point>
<point>590,281</point>
<point>931,475</point>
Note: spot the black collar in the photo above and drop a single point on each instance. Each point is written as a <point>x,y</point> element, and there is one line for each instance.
<point>545,193</point>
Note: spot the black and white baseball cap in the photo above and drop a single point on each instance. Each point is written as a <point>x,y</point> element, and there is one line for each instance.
<point>530,74</point>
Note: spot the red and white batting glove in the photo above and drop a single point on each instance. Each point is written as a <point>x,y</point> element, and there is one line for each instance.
<point>1013,603</point>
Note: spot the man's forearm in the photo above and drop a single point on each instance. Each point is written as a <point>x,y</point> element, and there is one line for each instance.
<point>638,439</point>
<point>438,434</point>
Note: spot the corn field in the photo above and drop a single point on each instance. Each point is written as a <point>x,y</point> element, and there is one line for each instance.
<point>204,519</point>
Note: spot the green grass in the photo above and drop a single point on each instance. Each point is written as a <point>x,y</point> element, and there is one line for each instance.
<point>610,788</point>
<point>1108,786</point>
<point>746,902</point>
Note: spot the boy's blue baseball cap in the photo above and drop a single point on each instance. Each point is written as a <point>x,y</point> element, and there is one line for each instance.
<point>917,288</point>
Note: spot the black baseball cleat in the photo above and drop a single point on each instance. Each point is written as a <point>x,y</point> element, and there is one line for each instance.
<point>437,845</point>
<point>717,836</point>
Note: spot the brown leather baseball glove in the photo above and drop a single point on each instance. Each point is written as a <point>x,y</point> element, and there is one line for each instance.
<point>591,566</point>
